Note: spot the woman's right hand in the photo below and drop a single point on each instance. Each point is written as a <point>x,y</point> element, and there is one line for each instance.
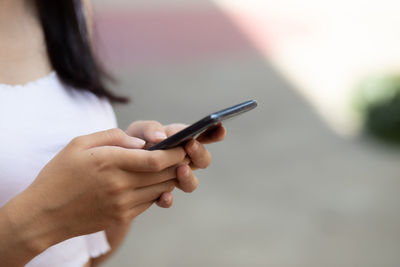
<point>96,181</point>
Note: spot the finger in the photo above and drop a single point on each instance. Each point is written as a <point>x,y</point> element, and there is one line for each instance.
<point>112,137</point>
<point>151,131</point>
<point>166,200</point>
<point>151,193</point>
<point>174,128</point>
<point>187,181</point>
<point>150,178</point>
<point>213,135</point>
<point>144,160</point>
<point>199,155</point>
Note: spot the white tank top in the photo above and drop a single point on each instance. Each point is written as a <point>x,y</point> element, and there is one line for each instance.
<point>37,120</point>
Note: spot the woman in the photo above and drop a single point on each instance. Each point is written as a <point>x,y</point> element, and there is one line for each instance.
<point>70,188</point>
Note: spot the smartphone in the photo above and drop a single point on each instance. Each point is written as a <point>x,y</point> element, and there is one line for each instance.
<point>203,125</point>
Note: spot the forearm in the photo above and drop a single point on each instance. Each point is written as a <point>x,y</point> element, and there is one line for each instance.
<point>115,237</point>
<point>13,251</point>
<point>24,232</point>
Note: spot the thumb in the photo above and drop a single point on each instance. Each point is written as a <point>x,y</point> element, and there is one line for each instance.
<point>112,137</point>
<point>151,131</point>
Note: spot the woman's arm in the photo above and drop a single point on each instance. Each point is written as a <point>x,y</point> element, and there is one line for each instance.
<point>14,251</point>
<point>26,230</point>
<point>96,182</point>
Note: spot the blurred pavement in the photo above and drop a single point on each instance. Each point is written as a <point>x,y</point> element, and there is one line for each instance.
<point>283,190</point>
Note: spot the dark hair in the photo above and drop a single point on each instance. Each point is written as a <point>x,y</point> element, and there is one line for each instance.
<point>69,47</point>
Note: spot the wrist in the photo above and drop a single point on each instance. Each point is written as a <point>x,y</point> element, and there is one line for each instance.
<point>15,249</point>
<point>29,228</point>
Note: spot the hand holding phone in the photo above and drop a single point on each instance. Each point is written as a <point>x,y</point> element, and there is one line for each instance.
<point>205,124</point>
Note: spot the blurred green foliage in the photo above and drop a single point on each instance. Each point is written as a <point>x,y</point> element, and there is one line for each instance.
<point>378,102</point>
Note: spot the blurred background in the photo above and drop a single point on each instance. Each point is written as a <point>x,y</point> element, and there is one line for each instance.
<point>311,177</point>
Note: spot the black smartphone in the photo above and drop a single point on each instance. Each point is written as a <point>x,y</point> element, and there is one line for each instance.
<point>203,125</point>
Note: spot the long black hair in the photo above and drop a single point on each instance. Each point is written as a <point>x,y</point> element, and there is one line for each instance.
<point>69,47</point>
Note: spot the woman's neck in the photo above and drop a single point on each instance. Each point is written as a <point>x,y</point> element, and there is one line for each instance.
<point>23,54</point>
<point>14,10</point>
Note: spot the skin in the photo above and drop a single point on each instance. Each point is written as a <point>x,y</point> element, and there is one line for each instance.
<point>118,179</point>
<point>22,43</point>
<point>153,132</point>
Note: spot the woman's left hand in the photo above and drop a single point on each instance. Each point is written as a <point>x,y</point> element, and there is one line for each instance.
<point>154,132</point>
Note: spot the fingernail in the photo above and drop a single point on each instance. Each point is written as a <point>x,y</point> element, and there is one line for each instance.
<point>159,135</point>
<point>137,142</point>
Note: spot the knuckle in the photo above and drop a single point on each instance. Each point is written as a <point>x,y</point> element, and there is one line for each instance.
<point>100,162</point>
<point>116,186</point>
<point>79,141</point>
<point>102,165</point>
<point>179,154</point>
<point>115,133</point>
<point>154,163</point>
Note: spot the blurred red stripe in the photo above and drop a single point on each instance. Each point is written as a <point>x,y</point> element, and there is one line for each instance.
<point>146,37</point>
